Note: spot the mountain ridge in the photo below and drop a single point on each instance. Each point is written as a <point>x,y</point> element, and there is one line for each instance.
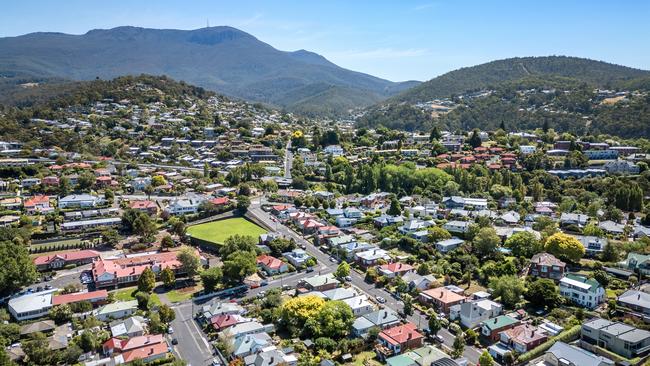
<point>223,59</point>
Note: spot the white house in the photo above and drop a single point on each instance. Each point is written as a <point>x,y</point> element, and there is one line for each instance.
<point>31,306</point>
<point>582,291</point>
<point>457,227</point>
<point>79,200</point>
<point>360,305</point>
<point>471,314</point>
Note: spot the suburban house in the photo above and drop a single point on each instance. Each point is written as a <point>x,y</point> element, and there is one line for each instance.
<point>38,204</point>
<point>116,310</point>
<point>372,257</point>
<point>442,298</point>
<point>414,280</point>
<point>457,227</point>
<point>297,257</point>
<point>491,328</point>
<point>545,265</point>
<point>360,305</point>
<point>622,339</point>
<point>395,340</point>
<point>395,269</point>
<point>637,262</point>
<point>576,219</point>
<point>184,205</point>
<point>382,319</point>
<point>250,344</point>
<point>79,200</point>
<point>130,327</point>
<point>31,306</point>
<point>271,265</point>
<point>447,245</point>
<point>523,338</point>
<point>582,291</point>
<point>146,206</point>
<point>46,262</point>
<point>562,354</point>
<point>472,313</point>
<point>635,300</point>
<point>321,282</point>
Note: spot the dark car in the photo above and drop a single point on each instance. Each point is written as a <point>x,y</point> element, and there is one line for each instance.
<point>309,269</point>
<point>174,341</point>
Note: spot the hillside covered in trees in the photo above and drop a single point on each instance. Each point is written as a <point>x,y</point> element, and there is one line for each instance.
<point>491,74</point>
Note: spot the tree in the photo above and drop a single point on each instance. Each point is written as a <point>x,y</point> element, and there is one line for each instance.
<point>343,270</point>
<point>110,237</point>
<point>144,226</point>
<point>239,265</point>
<point>17,269</point>
<point>459,345</point>
<point>610,253</point>
<point>333,320</point>
<point>88,341</point>
<point>156,326</point>
<point>408,304</point>
<point>509,288</point>
<point>486,242</point>
<point>143,300</point>
<point>85,181</point>
<point>109,196</point>
<point>602,277</point>
<point>434,324</point>
<point>61,313</point>
<point>211,278</point>
<point>435,134</point>
<point>167,314</point>
<point>298,310</point>
<point>242,204</point>
<point>470,336</point>
<point>475,139</point>
<point>485,359</point>
<point>147,281</point>
<point>437,234</point>
<point>593,230</point>
<point>237,243</point>
<point>523,244</point>
<point>166,242</point>
<point>565,247</point>
<point>168,277</point>
<point>543,292</point>
<point>158,180</point>
<point>38,351</point>
<point>190,262</point>
<point>395,208</point>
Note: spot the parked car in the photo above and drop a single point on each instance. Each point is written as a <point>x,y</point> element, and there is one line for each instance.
<point>348,278</point>
<point>309,269</point>
<point>216,361</point>
<point>174,341</point>
<point>170,330</point>
<point>380,299</point>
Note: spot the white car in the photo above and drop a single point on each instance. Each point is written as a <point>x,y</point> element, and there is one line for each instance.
<point>380,299</point>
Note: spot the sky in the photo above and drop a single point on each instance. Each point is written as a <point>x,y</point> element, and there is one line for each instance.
<point>396,40</point>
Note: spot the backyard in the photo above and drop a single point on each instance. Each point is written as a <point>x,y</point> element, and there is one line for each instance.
<point>218,231</point>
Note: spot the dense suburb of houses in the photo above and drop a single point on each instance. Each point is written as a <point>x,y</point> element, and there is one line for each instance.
<point>353,265</point>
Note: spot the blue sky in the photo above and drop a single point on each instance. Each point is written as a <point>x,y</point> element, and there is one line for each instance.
<point>396,40</point>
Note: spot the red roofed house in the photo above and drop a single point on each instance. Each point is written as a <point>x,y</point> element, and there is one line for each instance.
<point>94,297</point>
<point>271,265</point>
<point>441,297</point>
<point>103,181</point>
<point>309,226</point>
<point>52,181</point>
<point>395,340</point>
<point>116,345</point>
<point>147,206</point>
<point>36,204</point>
<point>223,321</point>
<point>220,201</point>
<point>121,271</point>
<point>147,353</point>
<point>523,338</point>
<point>395,269</point>
<point>63,259</point>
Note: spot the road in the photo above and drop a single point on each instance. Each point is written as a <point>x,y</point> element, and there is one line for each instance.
<point>192,346</point>
<point>288,160</point>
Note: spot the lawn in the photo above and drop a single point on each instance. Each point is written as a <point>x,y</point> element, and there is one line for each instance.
<point>363,357</point>
<point>183,294</point>
<point>218,231</point>
<point>126,294</point>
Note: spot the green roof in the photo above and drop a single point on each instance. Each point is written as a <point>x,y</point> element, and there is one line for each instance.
<point>499,322</point>
<point>589,281</point>
<point>118,306</point>
<point>400,360</point>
